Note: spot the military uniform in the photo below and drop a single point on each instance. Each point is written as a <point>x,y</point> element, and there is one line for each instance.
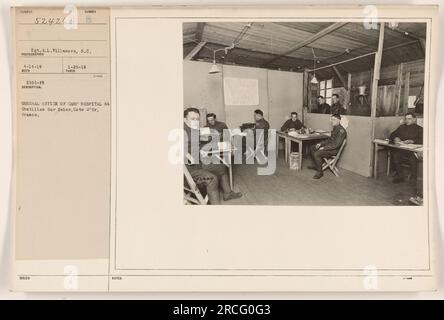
<point>406,132</point>
<point>411,132</point>
<point>336,108</point>
<point>290,124</point>
<point>219,126</point>
<point>263,125</point>
<point>324,108</point>
<point>330,146</point>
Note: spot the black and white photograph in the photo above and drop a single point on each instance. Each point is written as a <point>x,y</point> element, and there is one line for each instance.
<point>296,113</point>
<point>233,151</point>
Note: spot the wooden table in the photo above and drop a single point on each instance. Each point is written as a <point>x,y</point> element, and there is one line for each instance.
<point>217,153</point>
<point>384,144</point>
<point>299,138</point>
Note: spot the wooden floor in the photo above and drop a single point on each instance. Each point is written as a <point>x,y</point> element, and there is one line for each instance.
<point>289,187</point>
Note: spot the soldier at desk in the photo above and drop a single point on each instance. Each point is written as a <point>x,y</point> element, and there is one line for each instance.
<point>407,133</point>
<point>218,126</point>
<point>292,124</point>
<point>328,147</point>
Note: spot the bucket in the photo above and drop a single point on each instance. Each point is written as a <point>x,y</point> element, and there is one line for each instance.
<point>294,161</point>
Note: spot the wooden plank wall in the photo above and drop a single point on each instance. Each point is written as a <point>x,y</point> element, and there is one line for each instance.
<point>356,156</point>
<point>280,92</point>
<point>388,76</point>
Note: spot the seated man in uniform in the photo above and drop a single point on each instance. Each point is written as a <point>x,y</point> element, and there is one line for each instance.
<point>260,122</point>
<point>213,175</point>
<point>292,124</point>
<point>407,133</point>
<point>336,107</point>
<point>328,147</point>
<point>216,125</point>
<point>323,107</point>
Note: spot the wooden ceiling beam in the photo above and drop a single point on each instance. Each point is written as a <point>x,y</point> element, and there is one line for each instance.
<point>195,50</point>
<point>399,32</point>
<point>311,39</point>
<point>297,61</point>
<point>340,77</point>
<point>376,75</point>
<point>199,31</point>
<point>187,39</point>
<point>198,39</point>
<point>365,55</point>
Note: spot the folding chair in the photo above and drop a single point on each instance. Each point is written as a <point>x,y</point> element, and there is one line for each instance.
<point>192,194</point>
<point>332,161</point>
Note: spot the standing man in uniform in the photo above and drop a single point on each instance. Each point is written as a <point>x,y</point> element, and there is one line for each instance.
<point>336,107</point>
<point>328,147</point>
<point>407,133</point>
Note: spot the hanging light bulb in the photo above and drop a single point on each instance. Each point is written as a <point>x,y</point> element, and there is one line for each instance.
<point>314,80</point>
<point>214,68</point>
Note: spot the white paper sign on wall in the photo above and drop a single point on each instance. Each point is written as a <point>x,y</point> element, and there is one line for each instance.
<point>241,92</point>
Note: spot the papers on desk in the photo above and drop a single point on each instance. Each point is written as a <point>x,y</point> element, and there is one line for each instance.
<point>381,141</point>
<point>303,135</point>
<point>322,131</point>
<point>410,146</point>
<point>237,132</point>
<point>224,146</point>
<point>205,131</point>
<point>415,147</point>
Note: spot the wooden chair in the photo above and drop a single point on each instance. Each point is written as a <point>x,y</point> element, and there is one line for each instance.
<point>331,162</point>
<point>192,194</point>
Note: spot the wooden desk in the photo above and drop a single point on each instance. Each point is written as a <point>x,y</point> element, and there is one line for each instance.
<point>300,138</point>
<point>384,144</point>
